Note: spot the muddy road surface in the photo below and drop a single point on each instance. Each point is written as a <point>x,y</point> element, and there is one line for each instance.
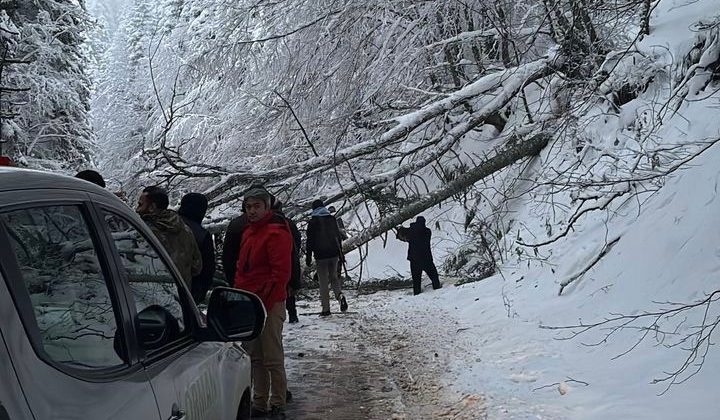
<point>363,365</point>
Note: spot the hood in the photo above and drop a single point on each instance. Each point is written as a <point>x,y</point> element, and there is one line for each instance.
<point>193,206</point>
<point>166,220</point>
<point>320,212</point>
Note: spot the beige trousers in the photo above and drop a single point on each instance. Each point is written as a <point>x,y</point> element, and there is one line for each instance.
<point>327,270</point>
<point>268,361</point>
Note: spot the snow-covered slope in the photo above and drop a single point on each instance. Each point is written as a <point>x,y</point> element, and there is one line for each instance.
<point>652,249</point>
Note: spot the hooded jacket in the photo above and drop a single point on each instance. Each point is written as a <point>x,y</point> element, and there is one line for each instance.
<point>178,241</point>
<point>324,239</point>
<point>204,240</point>
<point>264,262</point>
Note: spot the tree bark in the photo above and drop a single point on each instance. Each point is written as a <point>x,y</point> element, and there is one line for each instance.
<point>646,10</point>
<point>502,159</point>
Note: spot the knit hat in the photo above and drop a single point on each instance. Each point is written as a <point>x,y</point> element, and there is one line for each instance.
<point>317,204</point>
<point>259,193</point>
<point>193,206</point>
<point>91,176</point>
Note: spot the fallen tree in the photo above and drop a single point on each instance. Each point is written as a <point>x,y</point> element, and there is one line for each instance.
<point>502,87</point>
<point>511,153</point>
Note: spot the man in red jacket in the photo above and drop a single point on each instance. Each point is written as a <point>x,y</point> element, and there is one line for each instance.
<point>263,267</point>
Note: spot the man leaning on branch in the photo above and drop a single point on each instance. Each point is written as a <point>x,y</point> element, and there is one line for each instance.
<point>419,253</point>
<point>264,268</point>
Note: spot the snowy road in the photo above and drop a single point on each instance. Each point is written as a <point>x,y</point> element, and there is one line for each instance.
<point>370,364</point>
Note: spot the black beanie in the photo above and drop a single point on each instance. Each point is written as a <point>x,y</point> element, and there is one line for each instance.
<point>317,204</point>
<point>91,176</point>
<point>193,206</point>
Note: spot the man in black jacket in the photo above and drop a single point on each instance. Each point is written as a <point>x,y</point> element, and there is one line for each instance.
<point>193,207</point>
<point>419,253</point>
<point>324,241</point>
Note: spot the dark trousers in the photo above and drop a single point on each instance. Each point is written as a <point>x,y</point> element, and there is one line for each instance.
<point>199,291</point>
<point>417,268</point>
<point>291,308</point>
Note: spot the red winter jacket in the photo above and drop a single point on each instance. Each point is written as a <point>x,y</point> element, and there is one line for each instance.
<point>264,261</point>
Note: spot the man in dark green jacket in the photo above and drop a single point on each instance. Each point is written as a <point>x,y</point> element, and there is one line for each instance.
<point>172,232</point>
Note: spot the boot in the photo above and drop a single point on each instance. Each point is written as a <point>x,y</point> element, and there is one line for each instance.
<point>343,303</point>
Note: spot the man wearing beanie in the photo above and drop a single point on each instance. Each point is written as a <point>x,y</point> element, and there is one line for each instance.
<point>324,241</point>
<point>193,207</point>
<point>264,268</point>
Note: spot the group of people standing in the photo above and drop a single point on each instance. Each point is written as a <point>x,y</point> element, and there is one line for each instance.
<point>261,254</point>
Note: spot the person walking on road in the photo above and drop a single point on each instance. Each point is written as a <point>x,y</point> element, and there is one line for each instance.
<point>324,242</point>
<point>193,207</point>
<point>419,253</point>
<point>173,233</point>
<point>264,266</point>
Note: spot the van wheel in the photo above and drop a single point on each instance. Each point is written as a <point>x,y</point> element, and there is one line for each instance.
<point>245,408</point>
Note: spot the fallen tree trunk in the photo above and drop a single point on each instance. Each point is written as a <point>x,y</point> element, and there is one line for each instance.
<point>510,81</point>
<point>503,158</point>
<point>510,89</point>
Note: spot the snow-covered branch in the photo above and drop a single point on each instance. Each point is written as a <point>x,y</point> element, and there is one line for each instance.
<point>503,158</point>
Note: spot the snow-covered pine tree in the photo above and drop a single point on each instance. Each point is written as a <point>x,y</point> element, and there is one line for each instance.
<point>9,35</point>
<point>54,129</point>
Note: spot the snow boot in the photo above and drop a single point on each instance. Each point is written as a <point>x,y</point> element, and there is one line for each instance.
<point>343,303</point>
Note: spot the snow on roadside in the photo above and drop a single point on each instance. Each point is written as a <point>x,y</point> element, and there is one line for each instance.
<point>671,253</point>
<point>668,251</point>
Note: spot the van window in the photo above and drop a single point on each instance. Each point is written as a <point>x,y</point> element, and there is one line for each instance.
<point>151,281</point>
<point>58,260</point>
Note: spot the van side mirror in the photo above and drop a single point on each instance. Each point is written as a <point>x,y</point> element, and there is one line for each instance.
<point>235,315</point>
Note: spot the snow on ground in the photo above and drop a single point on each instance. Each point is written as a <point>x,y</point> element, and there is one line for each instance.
<point>489,332</point>
<point>491,337</point>
<point>373,363</point>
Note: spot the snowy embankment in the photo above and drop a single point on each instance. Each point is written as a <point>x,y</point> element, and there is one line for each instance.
<point>670,253</point>
<point>652,249</point>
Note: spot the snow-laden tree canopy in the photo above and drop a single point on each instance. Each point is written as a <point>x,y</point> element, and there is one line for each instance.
<point>387,108</point>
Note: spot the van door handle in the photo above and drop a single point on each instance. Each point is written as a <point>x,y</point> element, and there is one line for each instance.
<point>177,414</point>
